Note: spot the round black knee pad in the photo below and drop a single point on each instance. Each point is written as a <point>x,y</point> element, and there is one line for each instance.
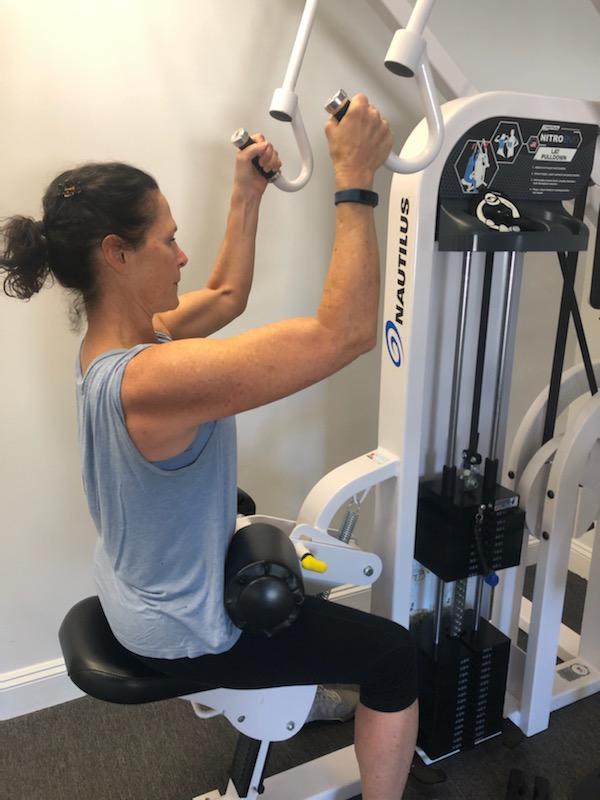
<point>263,580</point>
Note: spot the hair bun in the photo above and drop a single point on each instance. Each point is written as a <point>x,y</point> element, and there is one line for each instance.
<point>25,257</point>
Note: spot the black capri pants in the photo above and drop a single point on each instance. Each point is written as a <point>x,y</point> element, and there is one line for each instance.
<point>328,643</point>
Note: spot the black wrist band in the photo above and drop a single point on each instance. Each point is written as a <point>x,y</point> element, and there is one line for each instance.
<point>363,196</point>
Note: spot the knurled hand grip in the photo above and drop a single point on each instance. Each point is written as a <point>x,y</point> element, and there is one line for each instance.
<point>242,139</point>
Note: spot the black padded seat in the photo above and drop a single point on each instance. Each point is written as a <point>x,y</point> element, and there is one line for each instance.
<point>103,668</point>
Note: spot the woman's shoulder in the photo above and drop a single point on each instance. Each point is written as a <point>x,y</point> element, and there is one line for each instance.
<point>91,350</point>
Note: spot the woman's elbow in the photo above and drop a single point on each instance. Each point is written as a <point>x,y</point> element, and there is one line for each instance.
<point>359,346</point>
<point>234,304</point>
<point>240,306</point>
<point>370,344</point>
<point>365,345</point>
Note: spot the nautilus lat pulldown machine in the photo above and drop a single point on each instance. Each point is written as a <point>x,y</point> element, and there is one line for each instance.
<point>457,233</point>
<point>495,191</point>
<point>491,190</point>
<point>456,237</point>
<point>492,205</point>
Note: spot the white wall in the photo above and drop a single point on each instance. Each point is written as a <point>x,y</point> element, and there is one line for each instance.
<point>541,46</point>
<point>164,88</point>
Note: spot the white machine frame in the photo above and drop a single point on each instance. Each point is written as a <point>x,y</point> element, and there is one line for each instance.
<point>559,485</point>
<point>416,379</point>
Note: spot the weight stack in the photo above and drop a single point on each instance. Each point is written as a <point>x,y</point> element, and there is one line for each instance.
<point>461,687</point>
<point>445,541</point>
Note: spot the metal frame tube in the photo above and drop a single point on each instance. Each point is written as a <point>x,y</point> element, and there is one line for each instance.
<point>509,283</point>
<point>481,345</point>
<point>458,356</point>
<point>300,45</point>
<point>439,606</point>
<point>420,15</point>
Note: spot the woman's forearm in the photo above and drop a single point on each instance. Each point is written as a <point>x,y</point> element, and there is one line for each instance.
<point>233,269</point>
<point>350,298</point>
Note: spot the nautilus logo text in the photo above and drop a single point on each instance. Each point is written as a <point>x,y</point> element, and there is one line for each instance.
<point>394,343</point>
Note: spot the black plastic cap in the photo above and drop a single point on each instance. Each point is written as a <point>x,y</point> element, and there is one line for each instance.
<point>399,69</point>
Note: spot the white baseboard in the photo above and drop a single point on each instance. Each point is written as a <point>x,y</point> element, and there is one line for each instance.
<point>568,643</point>
<point>43,685</point>
<point>580,559</point>
<point>34,688</point>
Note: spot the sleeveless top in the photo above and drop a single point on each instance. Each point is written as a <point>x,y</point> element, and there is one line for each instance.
<point>163,527</point>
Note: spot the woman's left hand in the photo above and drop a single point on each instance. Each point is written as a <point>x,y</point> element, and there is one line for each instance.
<point>247,178</point>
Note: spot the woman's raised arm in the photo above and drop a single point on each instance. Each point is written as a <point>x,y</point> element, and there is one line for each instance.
<point>225,295</point>
<point>185,383</point>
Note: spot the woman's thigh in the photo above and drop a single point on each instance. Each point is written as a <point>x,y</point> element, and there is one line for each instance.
<point>328,643</point>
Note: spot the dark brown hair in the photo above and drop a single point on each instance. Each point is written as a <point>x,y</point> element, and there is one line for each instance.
<point>81,207</point>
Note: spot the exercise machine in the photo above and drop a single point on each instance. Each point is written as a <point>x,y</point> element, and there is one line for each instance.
<point>457,233</point>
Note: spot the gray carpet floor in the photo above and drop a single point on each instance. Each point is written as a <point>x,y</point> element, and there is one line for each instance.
<point>90,750</point>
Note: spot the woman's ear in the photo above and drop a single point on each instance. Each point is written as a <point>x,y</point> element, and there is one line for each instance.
<point>114,251</point>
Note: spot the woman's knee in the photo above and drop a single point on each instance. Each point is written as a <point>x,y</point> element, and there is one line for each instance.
<point>394,637</point>
<point>400,651</point>
<point>392,683</point>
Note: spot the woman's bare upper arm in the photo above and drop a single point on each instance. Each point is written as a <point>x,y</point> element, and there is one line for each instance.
<point>191,381</point>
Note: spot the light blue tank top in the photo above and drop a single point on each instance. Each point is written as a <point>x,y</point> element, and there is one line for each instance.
<point>163,527</point>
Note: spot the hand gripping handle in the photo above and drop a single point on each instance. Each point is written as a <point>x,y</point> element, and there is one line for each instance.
<point>407,57</point>
<point>284,105</point>
<point>242,139</point>
<point>340,102</point>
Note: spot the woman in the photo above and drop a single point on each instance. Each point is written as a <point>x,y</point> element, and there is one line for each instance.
<point>156,401</point>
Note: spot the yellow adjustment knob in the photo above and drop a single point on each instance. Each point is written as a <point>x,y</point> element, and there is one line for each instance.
<point>313,564</point>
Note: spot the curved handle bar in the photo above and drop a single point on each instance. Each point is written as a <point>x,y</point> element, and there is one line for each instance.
<point>284,106</point>
<point>435,126</point>
<point>242,139</point>
<point>306,157</point>
<point>340,103</point>
<point>407,57</point>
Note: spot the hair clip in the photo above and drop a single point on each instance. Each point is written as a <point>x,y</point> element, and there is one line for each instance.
<point>68,189</point>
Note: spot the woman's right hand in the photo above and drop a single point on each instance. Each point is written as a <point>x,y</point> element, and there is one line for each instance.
<point>358,144</point>
<point>247,179</point>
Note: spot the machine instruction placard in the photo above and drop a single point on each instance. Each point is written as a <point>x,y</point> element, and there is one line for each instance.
<point>526,159</point>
